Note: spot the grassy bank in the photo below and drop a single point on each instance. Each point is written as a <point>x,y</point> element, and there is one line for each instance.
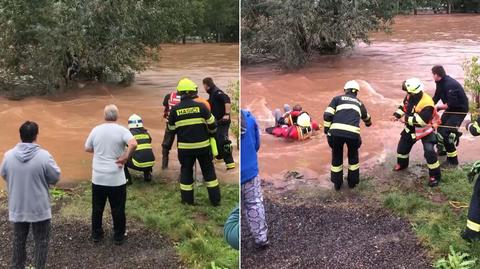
<point>197,231</point>
<point>437,215</point>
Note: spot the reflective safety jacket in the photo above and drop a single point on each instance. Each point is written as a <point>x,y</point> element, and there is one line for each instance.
<point>143,156</point>
<point>193,124</point>
<point>342,116</point>
<point>172,99</point>
<point>420,115</point>
<point>474,127</point>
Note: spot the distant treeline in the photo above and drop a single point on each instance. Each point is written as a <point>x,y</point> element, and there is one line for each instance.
<point>44,43</point>
<point>438,6</point>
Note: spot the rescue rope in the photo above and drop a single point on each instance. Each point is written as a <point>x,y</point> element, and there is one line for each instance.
<point>458,205</point>
<point>452,112</point>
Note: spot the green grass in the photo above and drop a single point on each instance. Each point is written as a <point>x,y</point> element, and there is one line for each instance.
<point>197,231</point>
<point>435,221</point>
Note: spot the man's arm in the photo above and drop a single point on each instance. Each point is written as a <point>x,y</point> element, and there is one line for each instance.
<point>89,142</point>
<point>328,114</point>
<point>209,119</point>
<point>257,135</point>
<point>52,171</point>
<point>166,106</point>
<point>365,116</point>
<point>131,146</point>
<point>228,106</point>
<point>474,127</point>
<point>421,118</point>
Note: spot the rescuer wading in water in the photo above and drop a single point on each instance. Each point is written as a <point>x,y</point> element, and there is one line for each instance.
<point>342,126</point>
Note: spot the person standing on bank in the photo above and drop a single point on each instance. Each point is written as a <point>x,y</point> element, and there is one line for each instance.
<point>107,142</point>
<point>221,108</point>
<point>342,126</point>
<point>455,104</point>
<point>28,171</point>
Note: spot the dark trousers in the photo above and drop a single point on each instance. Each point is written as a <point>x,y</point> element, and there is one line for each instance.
<point>168,139</point>
<point>405,146</point>
<point>454,120</point>
<point>117,197</point>
<point>224,144</point>
<point>473,222</point>
<point>187,161</point>
<point>146,171</point>
<point>41,235</point>
<point>337,143</point>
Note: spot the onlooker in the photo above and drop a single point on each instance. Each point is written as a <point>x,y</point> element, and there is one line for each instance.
<point>252,197</point>
<point>107,142</point>
<point>231,230</point>
<point>29,170</point>
<point>221,108</point>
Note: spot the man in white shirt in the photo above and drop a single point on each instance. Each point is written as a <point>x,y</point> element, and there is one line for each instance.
<point>107,142</point>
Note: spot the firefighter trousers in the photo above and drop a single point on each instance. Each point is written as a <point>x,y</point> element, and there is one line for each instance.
<point>337,143</point>
<point>405,146</point>
<point>446,142</point>
<point>187,162</point>
<point>224,144</point>
<point>473,221</point>
<point>147,171</point>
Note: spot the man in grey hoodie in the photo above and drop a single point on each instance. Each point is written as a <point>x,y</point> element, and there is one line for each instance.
<point>28,171</point>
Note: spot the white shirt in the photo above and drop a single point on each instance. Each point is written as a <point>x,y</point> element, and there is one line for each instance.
<point>108,141</point>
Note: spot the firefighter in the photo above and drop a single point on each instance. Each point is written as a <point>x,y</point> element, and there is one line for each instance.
<point>169,101</point>
<point>221,108</point>
<point>143,158</point>
<point>472,231</point>
<point>342,126</point>
<point>419,115</point>
<point>455,104</point>
<point>195,128</point>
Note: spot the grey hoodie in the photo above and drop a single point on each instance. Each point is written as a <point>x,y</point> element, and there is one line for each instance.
<point>29,170</point>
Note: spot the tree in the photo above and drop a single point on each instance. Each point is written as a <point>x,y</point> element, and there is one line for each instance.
<point>291,31</point>
<point>471,67</point>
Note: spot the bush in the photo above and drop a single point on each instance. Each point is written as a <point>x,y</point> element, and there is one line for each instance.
<point>456,260</point>
<point>472,78</point>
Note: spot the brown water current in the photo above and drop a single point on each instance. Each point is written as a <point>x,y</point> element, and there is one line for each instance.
<point>415,44</point>
<point>66,120</point>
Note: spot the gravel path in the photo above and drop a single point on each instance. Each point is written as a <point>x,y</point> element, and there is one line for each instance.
<point>70,246</point>
<point>334,234</point>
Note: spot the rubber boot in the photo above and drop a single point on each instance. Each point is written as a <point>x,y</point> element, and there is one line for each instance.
<point>147,176</point>
<point>434,181</point>
<point>164,159</point>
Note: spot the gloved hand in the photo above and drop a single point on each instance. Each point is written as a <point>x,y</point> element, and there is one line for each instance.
<point>474,172</point>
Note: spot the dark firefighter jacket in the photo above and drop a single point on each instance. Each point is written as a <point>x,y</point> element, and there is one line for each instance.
<point>451,93</point>
<point>143,156</point>
<point>193,124</point>
<point>342,116</point>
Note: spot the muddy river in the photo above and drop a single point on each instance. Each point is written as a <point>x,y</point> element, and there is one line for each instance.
<point>66,120</point>
<point>414,46</point>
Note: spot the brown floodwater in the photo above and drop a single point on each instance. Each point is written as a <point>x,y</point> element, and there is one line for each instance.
<point>66,119</point>
<point>415,44</point>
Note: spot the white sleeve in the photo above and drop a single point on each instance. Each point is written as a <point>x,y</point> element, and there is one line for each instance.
<point>89,142</point>
<point>3,170</point>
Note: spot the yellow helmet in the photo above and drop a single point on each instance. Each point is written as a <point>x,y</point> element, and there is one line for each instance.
<point>186,85</point>
<point>135,121</point>
<point>352,85</point>
<point>413,85</point>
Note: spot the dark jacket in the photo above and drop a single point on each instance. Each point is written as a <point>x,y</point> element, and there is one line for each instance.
<point>451,93</point>
<point>143,156</point>
<point>194,125</point>
<point>217,99</point>
<point>342,117</point>
<point>417,109</point>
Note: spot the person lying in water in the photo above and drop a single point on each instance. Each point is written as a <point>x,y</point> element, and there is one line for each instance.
<point>293,124</point>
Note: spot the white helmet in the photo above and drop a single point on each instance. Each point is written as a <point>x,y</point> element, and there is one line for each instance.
<point>352,85</point>
<point>135,121</point>
<point>413,85</point>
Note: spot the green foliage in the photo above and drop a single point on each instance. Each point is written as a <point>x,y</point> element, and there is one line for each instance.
<point>197,231</point>
<point>456,260</point>
<point>291,31</point>
<point>109,40</point>
<point>57,194</point>
<point>233,91</point>
<point>471,67</point>
<point>436,222</point>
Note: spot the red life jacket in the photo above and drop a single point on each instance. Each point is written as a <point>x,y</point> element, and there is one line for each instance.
<point>174,100</point>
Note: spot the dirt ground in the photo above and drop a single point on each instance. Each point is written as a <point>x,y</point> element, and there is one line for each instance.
<point>70,246</point>
<point>344,231</point>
